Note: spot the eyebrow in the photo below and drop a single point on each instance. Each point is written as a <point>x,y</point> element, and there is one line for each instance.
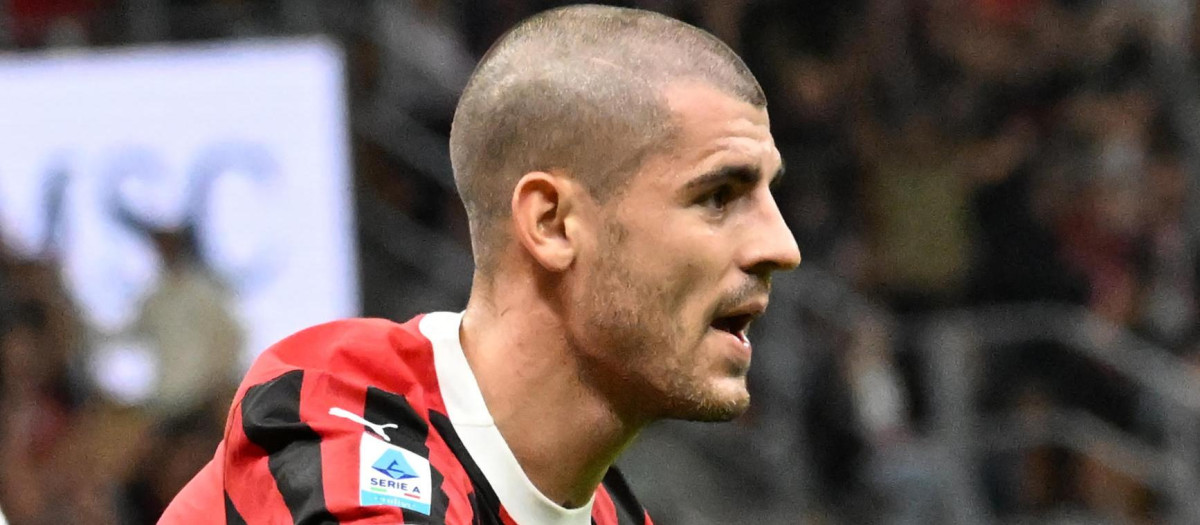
<point>738,173</point>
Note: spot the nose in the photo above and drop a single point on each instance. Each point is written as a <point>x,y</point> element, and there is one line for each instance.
<point>770,245</point>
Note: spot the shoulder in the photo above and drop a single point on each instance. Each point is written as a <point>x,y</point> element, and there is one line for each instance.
<point>341,412</point>
<point>377,352</point>
<point>318,343</point>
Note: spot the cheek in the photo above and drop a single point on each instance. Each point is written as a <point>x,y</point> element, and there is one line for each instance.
<point>664,271</point>
<point>693,281</point>
<point>673,295</point>
<point>640,304</point>
<point>692,290</point>
<point>685,279</point>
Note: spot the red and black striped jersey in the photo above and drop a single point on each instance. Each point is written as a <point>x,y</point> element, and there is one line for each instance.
<point>367,421</point>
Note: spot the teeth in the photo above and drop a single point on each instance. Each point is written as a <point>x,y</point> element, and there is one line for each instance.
<point>741,335</point>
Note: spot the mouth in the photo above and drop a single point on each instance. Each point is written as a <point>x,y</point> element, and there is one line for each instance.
<point>736,325</point>
<point>736,321</point>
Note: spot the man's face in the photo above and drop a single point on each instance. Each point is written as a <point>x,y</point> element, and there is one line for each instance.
<point>681,263</point>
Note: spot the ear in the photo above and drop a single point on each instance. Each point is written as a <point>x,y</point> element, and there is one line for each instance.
<point>542,205</point>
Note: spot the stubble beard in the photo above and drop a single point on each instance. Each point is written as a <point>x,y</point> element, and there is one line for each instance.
<point>643,355</point>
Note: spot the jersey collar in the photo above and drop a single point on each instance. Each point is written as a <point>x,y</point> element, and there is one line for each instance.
<point>475,427</point>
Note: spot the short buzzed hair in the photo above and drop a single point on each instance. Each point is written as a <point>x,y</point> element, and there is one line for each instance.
<point>577,90</point>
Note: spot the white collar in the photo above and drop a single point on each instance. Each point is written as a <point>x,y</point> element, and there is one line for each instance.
<point>475,427</point>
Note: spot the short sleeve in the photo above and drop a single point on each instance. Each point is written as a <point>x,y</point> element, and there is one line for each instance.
<point>308,447</point>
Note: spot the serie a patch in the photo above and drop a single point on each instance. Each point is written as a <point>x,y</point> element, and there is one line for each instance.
<point>390,475</point>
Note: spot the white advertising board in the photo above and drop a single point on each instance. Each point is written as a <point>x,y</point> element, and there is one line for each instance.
<point>246,141</point>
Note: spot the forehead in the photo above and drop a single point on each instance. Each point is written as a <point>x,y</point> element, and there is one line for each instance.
<point>713,128</point>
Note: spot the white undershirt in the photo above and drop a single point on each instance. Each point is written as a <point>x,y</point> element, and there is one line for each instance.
<point>475,427</point>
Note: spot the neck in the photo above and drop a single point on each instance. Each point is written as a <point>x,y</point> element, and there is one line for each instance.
<point>564,433</point>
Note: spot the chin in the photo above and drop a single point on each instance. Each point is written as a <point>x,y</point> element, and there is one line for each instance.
<point>718,404</point>
<point>723,413</point>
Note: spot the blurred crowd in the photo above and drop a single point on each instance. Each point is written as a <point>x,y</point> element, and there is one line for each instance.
<point>941,154</point>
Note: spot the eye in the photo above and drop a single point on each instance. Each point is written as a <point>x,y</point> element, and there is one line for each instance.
<point>719,199</point>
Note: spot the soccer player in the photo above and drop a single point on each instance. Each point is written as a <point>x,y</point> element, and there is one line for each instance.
<point>615,165</point>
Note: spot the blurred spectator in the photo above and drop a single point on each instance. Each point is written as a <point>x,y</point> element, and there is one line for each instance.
<point>40,398</point>
<point>1169,269</point>
<point>187,323</point>
<point>174,450</point>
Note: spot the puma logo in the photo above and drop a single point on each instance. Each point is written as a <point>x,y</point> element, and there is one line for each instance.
<point>378,429</point>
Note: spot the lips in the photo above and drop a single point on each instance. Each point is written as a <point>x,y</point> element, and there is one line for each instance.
<point>734,324</point>
<point>736,320</point>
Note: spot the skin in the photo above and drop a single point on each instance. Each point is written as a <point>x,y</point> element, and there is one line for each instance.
<point>604,312</point>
